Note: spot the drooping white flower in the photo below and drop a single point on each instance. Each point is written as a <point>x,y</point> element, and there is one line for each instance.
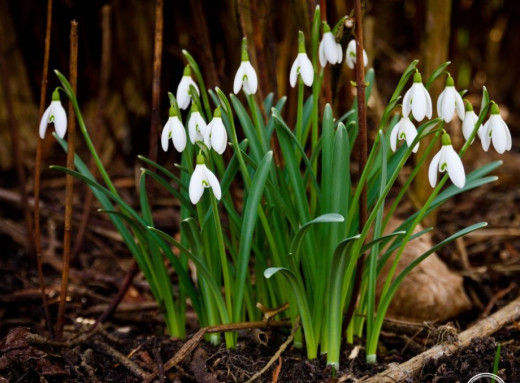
<point>470,119</point>
<point>329,50</point>
<point>495,130</point>
<point>450,101</point>
<point>196,125</point>
<point>216,135</point>
<point>350,55</point>
<point>246,77</point>
<point>183,90</point>
<point>403,130</point>
<point>448,160</point>
<point>302,66</point>
<point>417,100</point>
<point>175,130</point>
<point>201,179</point>
<point>54,113</point>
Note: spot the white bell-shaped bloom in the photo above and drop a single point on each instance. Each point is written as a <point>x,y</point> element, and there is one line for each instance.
<point>246,77</point>
<point>183,90</point>
<point>403,130</point>
<point>450,101</point>
<point>175,130</point>
<point>470,120</point>
<point>302,66</point>
<point>448,160</point>
<point>55,113</point>
<point>417,100</point>
<point>201,179</point>
<point>495,130</point>
<point>196,125</point>
<point>329,50</point>
<point>350,55</point>
<point>216,135</point>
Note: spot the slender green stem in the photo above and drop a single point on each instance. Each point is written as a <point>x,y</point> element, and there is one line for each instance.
<point>299,113</point>
<point>256,122</point>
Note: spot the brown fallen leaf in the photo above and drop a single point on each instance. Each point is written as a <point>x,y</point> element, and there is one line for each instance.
<point>431,291</point>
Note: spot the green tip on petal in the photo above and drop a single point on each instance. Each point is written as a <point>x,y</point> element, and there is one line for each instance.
<point>194,107</point>
<point>417,77</point>
<point>245,56</point>
<point>301,42</point>
<point>56,95</point>
<point>446,140</point>
<point>200,159</point>
<point>187,71</point>
<point>494,108</point>
<point>325,27</point>
<point>467,106</point>
<point>449,81</point>
<point>173,111</point>
<point>217,112</point>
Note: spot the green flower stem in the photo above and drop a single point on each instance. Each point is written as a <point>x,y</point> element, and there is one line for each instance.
<point>299,113</point>
<point>230,338</point>
<point>256,122</point>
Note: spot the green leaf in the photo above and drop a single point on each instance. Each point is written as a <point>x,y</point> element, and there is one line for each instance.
<point>436,73</point>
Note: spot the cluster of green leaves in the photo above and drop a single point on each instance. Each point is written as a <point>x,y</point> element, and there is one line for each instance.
<point>297,223</point>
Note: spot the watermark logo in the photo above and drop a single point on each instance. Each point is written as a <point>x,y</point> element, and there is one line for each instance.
<point>485,377</point>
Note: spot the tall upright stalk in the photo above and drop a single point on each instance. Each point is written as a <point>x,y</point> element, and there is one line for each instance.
<point>69,179</point>
<point>362,147</point>
<point>37,168</point>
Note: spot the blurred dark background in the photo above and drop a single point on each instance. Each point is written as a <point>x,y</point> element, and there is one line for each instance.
<point>482,42</point>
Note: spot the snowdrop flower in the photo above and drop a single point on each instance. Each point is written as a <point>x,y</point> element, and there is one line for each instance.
<point>183,90</point>
<point>448,160</point>
<point>329,49</point>
<point>216,136</point>
<point>403,130</point>
<point>302,66</point>
<point>450,101</point>
<point>196,125</point>
<point>246,77</point>
<point>55,114</point>
<point>175,130</point>
<point>495,130</point>
<point>201,179</point>
<point>470,119</point>
<point>417,100</point>
<point>350,55</point>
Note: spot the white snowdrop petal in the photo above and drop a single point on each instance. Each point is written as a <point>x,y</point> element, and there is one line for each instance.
<point>218,136</point>
<point>321,54</point>
<point>340,53</point>
<point>183,98</point>
<point>448,105</point>
<point>165,135</point>
<point>433,169</point>
<point>178,134</point>
<point>455,167</point>
<point>306,70</point>
<point>237,83</point>
<point>440,101</point>
<point>484,137</point>
<point>418,102</point>
<point>468,124</point>
<point>409,129</point>
<point>252,79</point>
<point>330,47</point>
<point>509,141</point>
<point>499,137</point>
<point>213,183</point>
<point>196,187</point>
<point>393,136</point>
<point>459,105</point>
<point>44,122</point>
<point>428,102</point>
<point>60,119</point>
<point>207,134</point>
<point>407,102</point>
<point>293,75</point>
<point>365,58</point>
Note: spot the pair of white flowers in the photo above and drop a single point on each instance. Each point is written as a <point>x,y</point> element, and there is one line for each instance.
<point>213,135</point>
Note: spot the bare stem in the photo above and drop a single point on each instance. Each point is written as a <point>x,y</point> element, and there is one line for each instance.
<point>37,168</point>
<point>362,146</point>
<point>69,179</point>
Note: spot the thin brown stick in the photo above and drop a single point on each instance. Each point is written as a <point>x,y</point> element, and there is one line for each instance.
<point>156,83</point>
<point>69,179</point>
<point>95,133</point>
<point>117,356</point>
<point>37,169</point>
<point>362,154</point>
<point>406,371</point>
<point>16,152</point>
